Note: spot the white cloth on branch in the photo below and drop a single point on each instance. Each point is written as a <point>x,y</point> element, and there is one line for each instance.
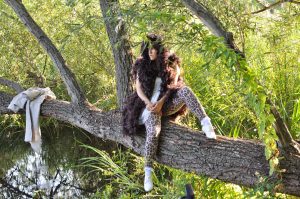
<point>33,98</point>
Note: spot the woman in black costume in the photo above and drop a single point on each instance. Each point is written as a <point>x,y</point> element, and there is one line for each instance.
<point>160,91</point>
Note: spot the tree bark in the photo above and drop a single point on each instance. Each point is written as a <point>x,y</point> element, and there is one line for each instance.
<point>237,161</point>
<point>17,87</point>
<point>212,23</point>
<point>118,37</point>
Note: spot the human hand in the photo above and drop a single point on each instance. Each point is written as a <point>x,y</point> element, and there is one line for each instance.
<point>157,107</point>
<point>173,70</point>
<point>173,86</point>
<point>149,106</point>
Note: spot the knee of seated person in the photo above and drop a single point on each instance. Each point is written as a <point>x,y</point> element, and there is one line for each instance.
<point>152,116</point>
<point>184,89</point>
<point>157,130</point>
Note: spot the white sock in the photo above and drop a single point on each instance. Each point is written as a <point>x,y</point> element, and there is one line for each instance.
<point>207,128</point>
<point>148,184</point>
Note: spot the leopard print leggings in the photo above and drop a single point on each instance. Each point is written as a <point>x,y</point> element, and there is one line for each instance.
<point>153,123</point>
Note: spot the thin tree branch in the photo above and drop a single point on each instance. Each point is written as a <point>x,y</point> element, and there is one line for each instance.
<point>274,4</point>
<point>14,85</point>
<point>285,138</point>
<point>73,88</point>
<point>212,23</point>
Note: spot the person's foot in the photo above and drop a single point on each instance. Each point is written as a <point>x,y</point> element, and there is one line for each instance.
<point>148,184</point>
<point>207,128</point>
<point>209,131</point>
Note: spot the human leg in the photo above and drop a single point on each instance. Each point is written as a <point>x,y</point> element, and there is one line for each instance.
<point>186,96</point>
<point>153,128</point>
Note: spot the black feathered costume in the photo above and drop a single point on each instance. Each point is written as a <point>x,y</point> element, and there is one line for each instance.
<point>147,71</point>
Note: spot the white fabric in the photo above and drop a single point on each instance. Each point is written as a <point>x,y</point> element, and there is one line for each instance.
<point>155,94</point>
<point>33,97</point>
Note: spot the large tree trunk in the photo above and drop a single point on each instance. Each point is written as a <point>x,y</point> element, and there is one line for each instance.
<point>238,161</point>
<point>118,37</point>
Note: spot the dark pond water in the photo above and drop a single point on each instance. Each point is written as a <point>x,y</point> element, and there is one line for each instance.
<point>52,174</point>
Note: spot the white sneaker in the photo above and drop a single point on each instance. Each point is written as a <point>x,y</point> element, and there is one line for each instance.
<point>148,184</point>
<point>209,131</point>
<point>207,128</point>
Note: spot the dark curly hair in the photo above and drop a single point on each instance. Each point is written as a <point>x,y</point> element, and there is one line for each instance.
<point>146,70</point>
<point>168,84</point>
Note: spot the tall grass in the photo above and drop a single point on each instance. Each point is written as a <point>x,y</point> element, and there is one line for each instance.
<point>123,174</point>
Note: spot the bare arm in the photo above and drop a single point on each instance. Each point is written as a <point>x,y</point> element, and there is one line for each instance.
<point>140,92</point>
<point>177,75</point>
<point>163,99</point>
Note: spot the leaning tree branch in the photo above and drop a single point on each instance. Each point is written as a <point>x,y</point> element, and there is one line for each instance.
<point>212,23</point>
<point>286,139</point>
<point>238,161</point>
<point>14,85</point>
<point>73,88</point>
<point>117,33</point>
<point>215,25</point>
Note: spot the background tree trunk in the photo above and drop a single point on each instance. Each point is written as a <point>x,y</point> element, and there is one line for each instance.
<point>118,37</point>
<point>73,88</point>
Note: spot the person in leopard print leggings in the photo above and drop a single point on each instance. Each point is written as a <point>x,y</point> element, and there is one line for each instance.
<point>156,109</point>
<point>184,96</point>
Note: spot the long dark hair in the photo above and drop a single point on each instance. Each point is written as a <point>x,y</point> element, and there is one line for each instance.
<point>147,69</point>
<point>173,61</point>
